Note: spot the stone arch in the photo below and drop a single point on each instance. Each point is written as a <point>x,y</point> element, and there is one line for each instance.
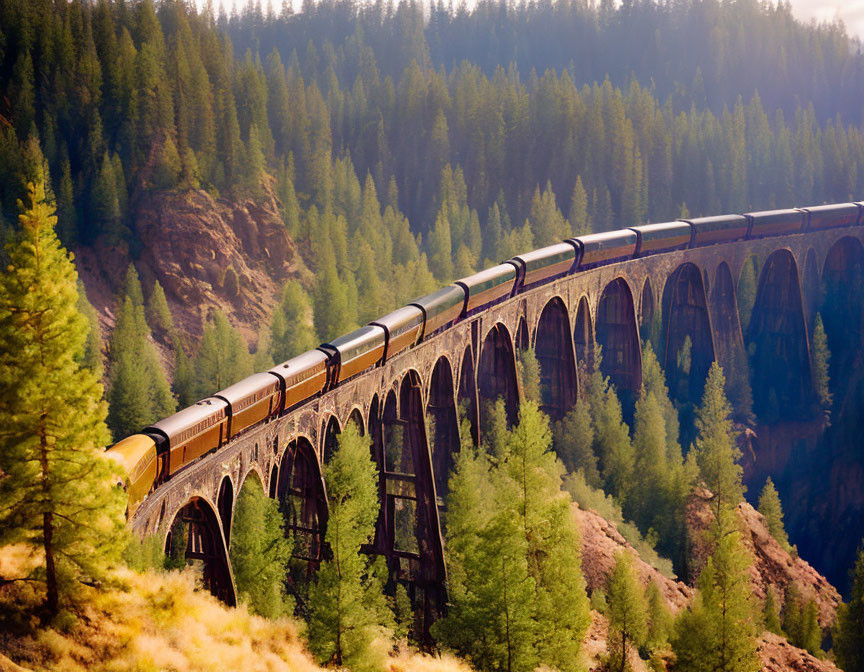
<point>777,334</point>
<point>496,373</point>
<point>618,337</point>
<point>301,492</point>
<point>225,506</point>
<point>686,321</point>
<point>204,547</point>
<point>583,334</point>
<point>522,338</point>
<point>330,431</point>
<point>356,417</point>
<point>842,306</point>
<point>553,347</point>
<point>254,473</point>
<point>467,395</point>
<point>274,479</point>
<point>441,411</point>
<point>812,289</point>
<point>373,422</point>
<point>729,342</point>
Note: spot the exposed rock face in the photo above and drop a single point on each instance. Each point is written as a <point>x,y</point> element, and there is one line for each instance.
<point>601,540</point>
<point>188,242</point>
<point>772,564</point>
<point>778,655</point>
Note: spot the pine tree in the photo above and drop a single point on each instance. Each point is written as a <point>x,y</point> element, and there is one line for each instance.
<point>529,373</point>
<point>57,494</point>
<point>628,618</point>
<point>849,628</point>
<point>578,213</point>
<point>770,507</point>
<point>348,610</point>
<point>716,451</point>
<point>223,357</point>
<point>573,439</point>
<point>718,632</point>
<point>660,619</point>
<point>771,611</point>
<point>792,616</point>
<point>260,552</point>
<point>159,314</point>
<point>91,358</point>
<point>290,330</point>
<point>331,306</point>
<point>821,362</point>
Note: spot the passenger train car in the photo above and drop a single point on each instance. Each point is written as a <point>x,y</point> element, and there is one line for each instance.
<point>166,447</point>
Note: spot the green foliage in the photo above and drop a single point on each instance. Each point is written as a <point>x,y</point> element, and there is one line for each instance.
<point>57,495</point>
<point>573,439</point>
<point>290,330</point>
<point>223,357</point>
<point>770,507</point>
<point>528,370</point>
<point>159,314</point>
<point>628,617</point>
<point>144,554</point>
<point>718,631</point>
<point>801,621</point>
<point>716,451</point>
<point>771,611</point>
<point>512,515</point>
<point>660,619</point>
<point>231,283</point>
<point>849,627</point>
<point>91,357</point>
<point>747,292</point>
<point>260,552</point>
<point>348,610</point>
<point>821,362</point>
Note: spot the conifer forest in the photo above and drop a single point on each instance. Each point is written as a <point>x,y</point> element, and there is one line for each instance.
<point>191,193</point>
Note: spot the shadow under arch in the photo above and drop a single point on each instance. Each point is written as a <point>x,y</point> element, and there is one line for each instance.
<point>330,431</point>
<point>583,335</point>
<point>522,340</point>
<point>441,411</point>
<point>204,547</point>
<point>777,333</point>
<point>811,289</point>
<point>356,417</point>
<point>496,373</point>
<point>842,307</point>
<point>618,337</point>
<point>274,479</point>
<point>729,343</point>
<point>302,495</point>
<point>686,321</point>
<point>467,394</point>
<point>225,506</point>
<point>553,347</point>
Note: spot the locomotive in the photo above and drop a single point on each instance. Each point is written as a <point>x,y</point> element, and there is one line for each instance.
<point>166,447</point>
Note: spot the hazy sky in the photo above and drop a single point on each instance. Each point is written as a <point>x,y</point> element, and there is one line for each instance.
<point>850,11</point>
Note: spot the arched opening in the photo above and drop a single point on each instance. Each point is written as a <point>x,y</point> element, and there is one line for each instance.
<point>650,322</point>
<point>553,347</point>
<point>374,424</point>
<point>467,394</point>
<point>745,292</point>
<point>729,343</point>
<point>225,505</point>
<point>496,375</point>
<point>196,539</point>
<point>301,493</point>
<point>843,282</point>
<point>688,346</point>
<point>330,431</point>
<point>812,289</point>
<point>618,337</point>
<point>444,426</point>
<point>274,478</point>
<point>412,532</point>
<point>356,418</point>
<point>522,340</point>
<point>777,334</point>
<point>583,335</point>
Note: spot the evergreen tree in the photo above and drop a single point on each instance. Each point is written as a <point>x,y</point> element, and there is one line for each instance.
<point>716,451</point>
<point>57,494</point>
<point>91,357</point>
<point>770,507</point>
<point>348,610</point>
<point>159,314</point>
<point>801,621</point>
<point>821,362</point>
<point>529,373</point>
<point>260,552</point>
<point>771,611</point>
<point>628,618</point>
<point>290,329</point>
<point>223,357</point>
<point>659,618</point>
<point>718,632</point>
<point>573,438</point>
<point>849,628</point>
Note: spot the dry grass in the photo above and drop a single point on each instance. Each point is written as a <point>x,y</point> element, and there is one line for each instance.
<point>160,622</point>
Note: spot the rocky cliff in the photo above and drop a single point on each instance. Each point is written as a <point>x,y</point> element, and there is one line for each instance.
<point>192,243</point>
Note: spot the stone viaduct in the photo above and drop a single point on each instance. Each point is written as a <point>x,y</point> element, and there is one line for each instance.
<point>409,405</point>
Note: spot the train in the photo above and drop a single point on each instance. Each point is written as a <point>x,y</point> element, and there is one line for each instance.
<point>160,451</point>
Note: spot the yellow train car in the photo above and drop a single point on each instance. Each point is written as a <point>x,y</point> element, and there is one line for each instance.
<point>137,455</point>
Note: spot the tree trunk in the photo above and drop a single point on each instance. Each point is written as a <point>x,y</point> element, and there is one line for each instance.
<point>52,595</point>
